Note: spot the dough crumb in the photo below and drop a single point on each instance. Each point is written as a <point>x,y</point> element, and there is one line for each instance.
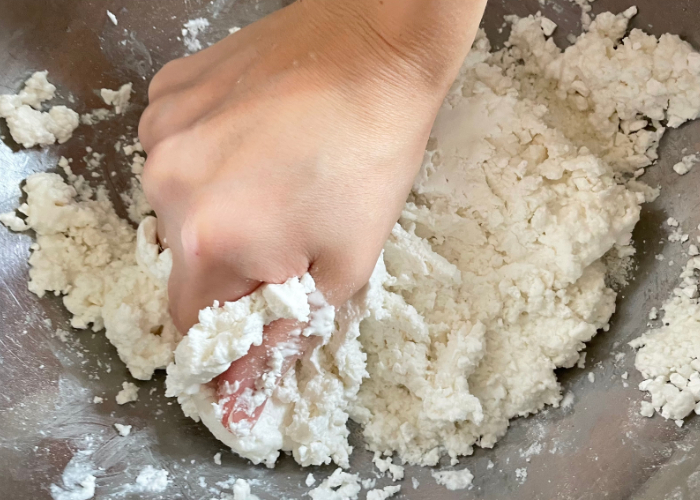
<point>368,483</point>
<point>241,491</point>
<point>112,18</point>
<point>338,486</point>
<point>669,357</point>
<point>123,430</point>
<point>310,480</point>
<point>686,164</point>
<point>11,221</point>
<point>217,458</point>
<point>454,479</point>
<point>384,493</point>
<point>192,29</point>
<point>151,480</point>
<point>385,465</point>
<point>29,126</point>
<point>118,98</point>
<point>128,394</point>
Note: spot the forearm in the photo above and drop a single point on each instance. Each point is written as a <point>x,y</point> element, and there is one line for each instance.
<point>432,36</point>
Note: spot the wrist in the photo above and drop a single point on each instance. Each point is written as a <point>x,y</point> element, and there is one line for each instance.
<point>427,39</point>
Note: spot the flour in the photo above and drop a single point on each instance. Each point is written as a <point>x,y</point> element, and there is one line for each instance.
<point>77,478</point>
<point>492,278</point>
<point>29,126</point>
<point>454,479</point>
<point>118,98</point>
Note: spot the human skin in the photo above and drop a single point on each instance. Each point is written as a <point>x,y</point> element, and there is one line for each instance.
<point>291,146</point>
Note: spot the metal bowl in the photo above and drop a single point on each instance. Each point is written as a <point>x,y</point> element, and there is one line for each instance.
<point>598,448</point>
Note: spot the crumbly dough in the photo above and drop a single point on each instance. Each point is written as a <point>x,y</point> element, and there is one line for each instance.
<point>383,493</point>
<point>29,126</point>
<point>314,396</point>
<point>686,164</point>
<point>338,486</point>
<point>119,99</point>
<point>669,358</point>
<point>111,276</point>
<point>491,280</point>
<point>128,394</point>
<point>191,31</point>
<point>123,430</point>
<point>454,479</point>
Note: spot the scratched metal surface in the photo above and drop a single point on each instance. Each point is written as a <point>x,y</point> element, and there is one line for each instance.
<point>598,448</point>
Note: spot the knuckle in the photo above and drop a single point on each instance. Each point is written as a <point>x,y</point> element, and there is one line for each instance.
<point>147,127</point>
<point>157,175</point>
<point>201,239</point>
<point>162,80</point>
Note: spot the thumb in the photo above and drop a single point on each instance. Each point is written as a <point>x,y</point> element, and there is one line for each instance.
<point>244,389</point>
<point>246,386</point>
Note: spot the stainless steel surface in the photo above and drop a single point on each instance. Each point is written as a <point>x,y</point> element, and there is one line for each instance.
<point>598,448</point>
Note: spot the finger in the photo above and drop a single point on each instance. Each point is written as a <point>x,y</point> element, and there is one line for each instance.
<point>160,234</point>
<point>173,113</point>
<point>180,73</point>
<point>246,386</point>
<point>196,283</point>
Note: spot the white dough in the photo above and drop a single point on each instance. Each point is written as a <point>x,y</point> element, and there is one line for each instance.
<point>29,126</point>
<point>150,480</point>
<point>669,357</point>
<point>110,276</point>
<point>192,29</point>
<point>123,430</point>
<point>383,493</point>
<point>128,394</point>
<point>338,486</point>
<point>686,164</point>
<point>117,98</point>
<point>454,479</point>
<point>492,278</point>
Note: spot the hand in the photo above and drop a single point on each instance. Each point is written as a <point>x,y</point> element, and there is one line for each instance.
<point>288,147</point>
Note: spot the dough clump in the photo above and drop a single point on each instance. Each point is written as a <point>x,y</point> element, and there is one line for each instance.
<point>492,278</point>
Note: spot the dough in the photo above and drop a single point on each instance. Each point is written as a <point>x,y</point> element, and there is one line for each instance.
<point>29,126</point>
<point>491,280</point>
